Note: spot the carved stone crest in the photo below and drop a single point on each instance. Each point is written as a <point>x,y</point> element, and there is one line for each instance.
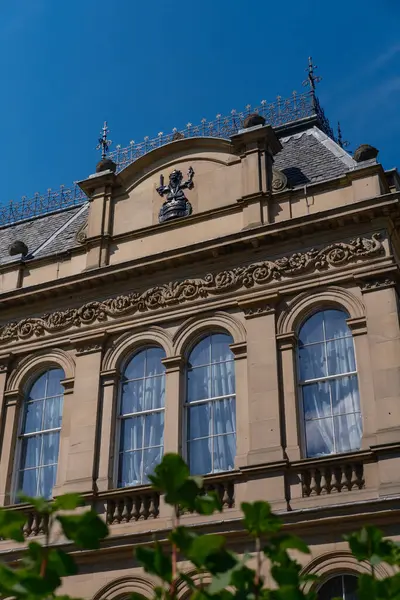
<point>176,205</point>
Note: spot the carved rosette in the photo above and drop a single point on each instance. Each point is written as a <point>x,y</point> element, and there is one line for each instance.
<point>213,284</point>
<point>279,180</point>
<point>81,234</point>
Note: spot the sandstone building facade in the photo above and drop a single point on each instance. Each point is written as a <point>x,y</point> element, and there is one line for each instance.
<point>229,294</point>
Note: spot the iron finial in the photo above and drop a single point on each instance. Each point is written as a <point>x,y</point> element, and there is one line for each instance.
<point>342,143</point>
<point>312,79</point>
<point>104,143</point>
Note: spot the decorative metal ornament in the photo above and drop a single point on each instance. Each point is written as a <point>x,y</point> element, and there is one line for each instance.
<point>104,143</point>
<point>176,205</point>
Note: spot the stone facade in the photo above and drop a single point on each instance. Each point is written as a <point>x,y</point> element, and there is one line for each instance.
<point>280,227</point>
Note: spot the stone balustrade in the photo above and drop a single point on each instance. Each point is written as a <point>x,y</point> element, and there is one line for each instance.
<point>127,505</point>
<point>329,477</point>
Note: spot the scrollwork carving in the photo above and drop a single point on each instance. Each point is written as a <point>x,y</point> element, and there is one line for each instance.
<point>279,181</point>
<point>180,292</point>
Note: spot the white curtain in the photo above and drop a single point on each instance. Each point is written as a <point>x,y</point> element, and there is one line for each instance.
<point>142,437</point>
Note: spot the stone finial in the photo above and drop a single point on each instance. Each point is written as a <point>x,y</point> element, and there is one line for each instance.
<point>253,120</point>
<point>18,247</point>
<point>365,152</point>
<point>106,164</point>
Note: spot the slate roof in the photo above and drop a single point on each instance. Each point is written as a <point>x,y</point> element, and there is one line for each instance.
<point>312,156</point>
<point>306,157</point>
<point>35,232</point>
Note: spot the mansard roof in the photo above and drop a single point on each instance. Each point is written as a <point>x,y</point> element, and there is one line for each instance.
<point>307,157</point>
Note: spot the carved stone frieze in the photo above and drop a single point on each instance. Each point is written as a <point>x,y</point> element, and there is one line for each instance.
<point>180,292</point>
<point>258,311</point>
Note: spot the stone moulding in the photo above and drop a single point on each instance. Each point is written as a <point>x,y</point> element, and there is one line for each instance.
<point>179,292</point>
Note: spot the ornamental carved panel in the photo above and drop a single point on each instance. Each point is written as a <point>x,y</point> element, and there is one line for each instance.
<point>185,291</point>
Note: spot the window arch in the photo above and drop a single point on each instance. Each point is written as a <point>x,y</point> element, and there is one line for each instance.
<point>141,416</point>
<point>328,385</point>
<point>210,406</point>
<point>39,435</point>
<point>340,586</point>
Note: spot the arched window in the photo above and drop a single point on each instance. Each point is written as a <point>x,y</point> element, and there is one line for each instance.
<point>329,385</point>
<point>141,417</point>
<point>39,436</point>
<point>340,586</point>
<point>210,406</point>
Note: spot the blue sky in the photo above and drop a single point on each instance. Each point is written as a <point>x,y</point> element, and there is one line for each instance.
<point>150,66</point>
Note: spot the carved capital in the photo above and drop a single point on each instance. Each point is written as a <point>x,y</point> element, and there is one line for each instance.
<point>5,362</point>
<point>239,350</point>
<point>173,363</point>
<point>357,326</point>
<point>68,385</point>
<point>109,378</point>
<point>287,341</point>
<point>89,345</point>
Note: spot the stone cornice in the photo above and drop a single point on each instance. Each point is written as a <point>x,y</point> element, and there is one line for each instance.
<point>359,213</point>
<point>180,292</point>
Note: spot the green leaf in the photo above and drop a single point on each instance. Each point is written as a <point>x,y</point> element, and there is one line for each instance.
<point>368,544</point>
<point>203,546</point>
<point>289,542</point>
<point>183,538</point>
<point>169,476</point>
<point>86,530</point>
<point>68,502</point>
<point>258,518</point>
<point>154,561</point>
<point>207,504</point>
<point>61,563</point>
<point>11,524</point>
<point>40,504</point>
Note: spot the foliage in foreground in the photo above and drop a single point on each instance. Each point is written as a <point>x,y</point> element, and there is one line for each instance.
<point>38,574</point>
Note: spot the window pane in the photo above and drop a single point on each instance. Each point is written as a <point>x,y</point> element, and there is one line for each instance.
<point>154,392</point>
<point>223,379</point>
<point>131,433</point>
<point>154,365</point>
<point>348,431</point>
<point>135,367</point>
<point>33,417</point>
<point>224,416</point>
<point>319,437</point>
<point>316,400</point>
<point>312,362</point>
<point>130,468</point>
<point>30,451</point>
<point>312,330</point>
<point>47,480</point>
<point>220,350</point>
<point>199,421</point>
<point>151,458</point>
<point>52,413</point>
<point>345,396</point>
<point>333,588</point>
<point>154,429</point>
<point>132,397</point>
<point>54,387</point>
<point>201,353</point>
<point>28,482</point>
<point>224,452</point>
<point>350,587</point>
<point>199,455</point>
<point>199,384</point>
<point>335,324</point>
<point>38,389</point>
<point>51,443</point>
<point>340,356</point>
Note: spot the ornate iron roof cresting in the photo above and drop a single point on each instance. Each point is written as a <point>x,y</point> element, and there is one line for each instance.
<point>176,205</point>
